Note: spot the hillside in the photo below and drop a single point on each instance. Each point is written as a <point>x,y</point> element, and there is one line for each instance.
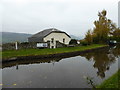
<point>12,37</point>
<point>76,37</point>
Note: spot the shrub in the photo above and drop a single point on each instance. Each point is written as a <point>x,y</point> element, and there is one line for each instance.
<point>84,42</point>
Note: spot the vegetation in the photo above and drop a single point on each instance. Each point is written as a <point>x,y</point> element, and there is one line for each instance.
<point>30,52</point>
<point>103,31</point>
<point>112,82</point>
<point>116,35</point>
<point>88,37</point>
<point>83,42</point>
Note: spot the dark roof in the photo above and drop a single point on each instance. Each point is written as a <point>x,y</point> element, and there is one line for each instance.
<point>38,37</point>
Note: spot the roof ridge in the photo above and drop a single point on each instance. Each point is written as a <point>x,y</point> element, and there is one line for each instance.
<point>46,32</point>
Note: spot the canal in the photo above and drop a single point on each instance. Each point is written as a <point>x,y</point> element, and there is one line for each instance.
<point>62,72</point>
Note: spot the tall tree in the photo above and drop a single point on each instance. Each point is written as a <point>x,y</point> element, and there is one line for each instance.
<point>102,28</point>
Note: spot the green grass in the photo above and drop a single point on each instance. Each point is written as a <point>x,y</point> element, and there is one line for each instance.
<point>112,82</point>
<point>30,52</point>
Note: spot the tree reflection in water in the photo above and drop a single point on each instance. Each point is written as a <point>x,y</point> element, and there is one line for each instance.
<point>103,59</point>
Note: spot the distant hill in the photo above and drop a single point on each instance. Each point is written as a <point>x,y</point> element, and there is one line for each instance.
<point>76,37</point>
<point>8,37</point>
<point>12,37</point>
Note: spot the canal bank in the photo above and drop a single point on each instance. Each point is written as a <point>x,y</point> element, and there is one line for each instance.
<point>111,82</point>
<point>8,56</point>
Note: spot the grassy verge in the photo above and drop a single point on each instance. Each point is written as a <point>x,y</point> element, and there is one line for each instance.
<point>30,52</point>
<point>112,82</point>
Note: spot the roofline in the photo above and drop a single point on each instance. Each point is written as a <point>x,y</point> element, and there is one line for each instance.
<point>57,32</point>
<point>50,33</point>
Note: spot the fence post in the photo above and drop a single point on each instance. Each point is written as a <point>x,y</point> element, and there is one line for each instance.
<point>16,45</point>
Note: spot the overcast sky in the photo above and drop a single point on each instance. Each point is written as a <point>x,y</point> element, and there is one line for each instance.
<point>72,16</point>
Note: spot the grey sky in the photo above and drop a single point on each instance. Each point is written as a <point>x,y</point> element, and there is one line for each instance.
<point>119,14</point>
<point>73,16</point>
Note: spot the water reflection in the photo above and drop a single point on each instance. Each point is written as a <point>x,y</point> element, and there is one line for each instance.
<point>103,59</point>
<point>116,51</point>
<point>62,72</point>
<point>26,62</point>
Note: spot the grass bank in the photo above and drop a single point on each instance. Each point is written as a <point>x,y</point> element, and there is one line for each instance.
<point>33,52</point>
<point>112,82</point>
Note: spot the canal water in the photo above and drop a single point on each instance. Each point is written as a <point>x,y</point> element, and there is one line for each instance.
<point>68,72</point>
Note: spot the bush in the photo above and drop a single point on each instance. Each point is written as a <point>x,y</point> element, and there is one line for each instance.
<point>25,43</point>
<point>84,42</point>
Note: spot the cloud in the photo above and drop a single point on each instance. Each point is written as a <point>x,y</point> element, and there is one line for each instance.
<point>72,16</point>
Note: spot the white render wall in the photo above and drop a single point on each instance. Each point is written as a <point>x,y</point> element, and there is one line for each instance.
<point>57,37</point>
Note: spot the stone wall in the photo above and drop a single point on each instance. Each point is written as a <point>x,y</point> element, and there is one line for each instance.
<point>27,45</point>
<point>24,45</point>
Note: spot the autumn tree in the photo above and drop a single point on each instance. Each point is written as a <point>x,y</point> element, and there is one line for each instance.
<point>103,31</point>
<point>102,28</point>
<point>116,34</point>
<point>88,37</point>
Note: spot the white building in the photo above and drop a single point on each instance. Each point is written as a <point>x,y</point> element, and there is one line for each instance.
<point>52,36</point>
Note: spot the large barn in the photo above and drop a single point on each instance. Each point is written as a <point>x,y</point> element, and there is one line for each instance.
<point>52,36</point>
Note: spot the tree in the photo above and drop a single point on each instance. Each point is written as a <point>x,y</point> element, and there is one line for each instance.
<point>103,31</point>
<point>88,37</point>
<point>103,28</point>
<point>116,34</point>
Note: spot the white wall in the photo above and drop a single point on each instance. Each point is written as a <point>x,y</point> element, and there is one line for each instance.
<point>57,37</point>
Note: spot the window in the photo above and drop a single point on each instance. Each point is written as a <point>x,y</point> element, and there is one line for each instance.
<point>63,40</point>
<point>52,40</point>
